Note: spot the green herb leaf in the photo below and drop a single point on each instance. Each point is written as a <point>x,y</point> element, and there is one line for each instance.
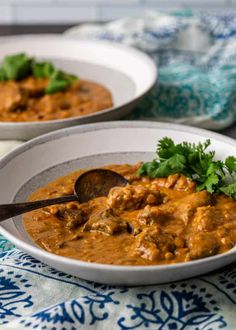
<point>229,190</point>
<point>58,82</point>
<point>147,169</point>
<point>55,86</point>
<point>2,75</point>
<point>42,69</point>
<point>210,183</point>
<point>230,162</point>
<point>17,66</point>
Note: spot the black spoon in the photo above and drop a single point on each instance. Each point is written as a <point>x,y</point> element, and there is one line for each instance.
<point>89,185</point>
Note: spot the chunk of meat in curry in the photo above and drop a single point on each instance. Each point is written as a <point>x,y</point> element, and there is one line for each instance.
<point>150,221</point>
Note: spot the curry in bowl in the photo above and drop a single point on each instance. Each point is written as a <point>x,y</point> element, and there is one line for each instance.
<point>153,220</point>
<point>37,91</point>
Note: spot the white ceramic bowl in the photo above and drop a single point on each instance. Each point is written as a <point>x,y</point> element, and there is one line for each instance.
<point>45,158</point>
<point>127,72</point>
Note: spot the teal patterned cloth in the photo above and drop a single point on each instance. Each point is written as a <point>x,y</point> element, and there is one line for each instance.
<point>35,296</point>
<point>196,56</point>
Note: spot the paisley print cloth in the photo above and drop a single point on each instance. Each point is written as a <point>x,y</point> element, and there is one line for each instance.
<point>196,57</point>
<point>35,296</point>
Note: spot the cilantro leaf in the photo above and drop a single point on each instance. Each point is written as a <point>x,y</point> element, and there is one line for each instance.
<point>229,190</point>
<point>147,169</point>
<point>58,82</point>
<point>42,69</point>
<point>175,164</point>
<point>230,163</point>
<point>210,183</point>
<point>2,75</point>
<point>17,66</point>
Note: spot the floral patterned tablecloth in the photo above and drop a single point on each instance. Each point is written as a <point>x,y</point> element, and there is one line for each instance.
<point>196,86</point>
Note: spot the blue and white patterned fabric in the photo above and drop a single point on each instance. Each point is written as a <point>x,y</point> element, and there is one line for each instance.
<point>35,296</point>
<point>196,56</point>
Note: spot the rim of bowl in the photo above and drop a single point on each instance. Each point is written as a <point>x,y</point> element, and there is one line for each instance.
<point>133,50</point>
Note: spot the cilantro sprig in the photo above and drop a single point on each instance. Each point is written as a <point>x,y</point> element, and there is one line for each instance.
<point>20,66</point>
<point>195,162</point>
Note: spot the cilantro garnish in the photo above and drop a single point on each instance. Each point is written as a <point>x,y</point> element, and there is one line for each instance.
<point>196,163</point>
<point>16,66</point>
<point>20,66</point>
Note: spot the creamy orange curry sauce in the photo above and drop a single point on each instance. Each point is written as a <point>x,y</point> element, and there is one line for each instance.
<point>25,100</point>
<point>150,221</point>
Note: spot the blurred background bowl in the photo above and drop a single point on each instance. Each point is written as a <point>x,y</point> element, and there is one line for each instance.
<point>128,73</point>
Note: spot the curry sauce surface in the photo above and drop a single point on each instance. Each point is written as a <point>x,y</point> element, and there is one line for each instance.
<point>150,221</point>
<point>26,101</point>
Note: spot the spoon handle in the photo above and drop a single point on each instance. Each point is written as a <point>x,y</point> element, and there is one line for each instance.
<point>11,210</point>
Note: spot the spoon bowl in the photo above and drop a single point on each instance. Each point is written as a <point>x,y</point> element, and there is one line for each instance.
<point>97,183</point>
